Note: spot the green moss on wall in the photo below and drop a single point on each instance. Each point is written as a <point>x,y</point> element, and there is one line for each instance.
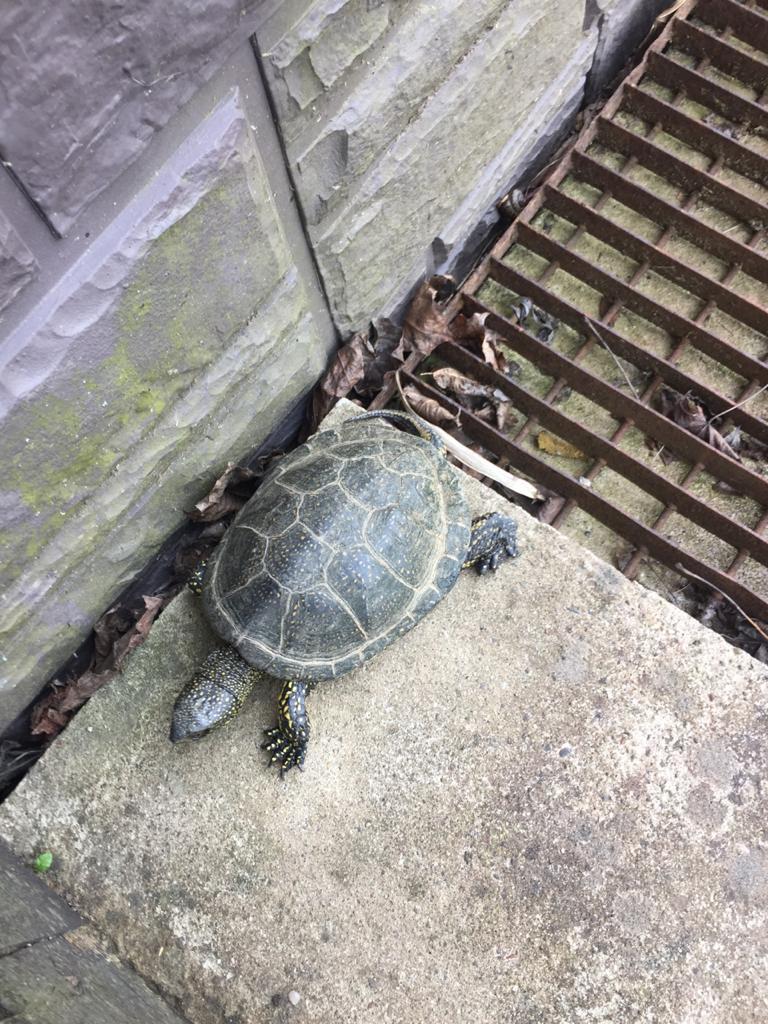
<point>193,290</point>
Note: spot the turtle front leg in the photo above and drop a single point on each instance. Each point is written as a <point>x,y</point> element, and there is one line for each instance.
<point>287,742</point>
<point>493,536</point>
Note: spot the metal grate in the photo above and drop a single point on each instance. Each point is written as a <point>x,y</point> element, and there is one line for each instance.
<point>654,226</point>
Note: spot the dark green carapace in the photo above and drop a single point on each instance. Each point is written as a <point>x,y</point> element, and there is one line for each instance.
<point>350,540</point>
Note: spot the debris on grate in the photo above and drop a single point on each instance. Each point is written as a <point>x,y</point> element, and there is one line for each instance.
<point>629,296</point>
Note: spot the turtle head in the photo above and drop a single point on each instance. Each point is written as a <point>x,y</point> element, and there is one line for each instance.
<point>213,696</point>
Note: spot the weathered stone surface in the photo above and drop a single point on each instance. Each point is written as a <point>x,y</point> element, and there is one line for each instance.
<point>374,213</point>
<point>546,803</point>
<point>127,392</point>
<point>17,264</point>
<point>86,85</point>
<point>29,911</point>
<point>72,980</point>
<point>382,92</point>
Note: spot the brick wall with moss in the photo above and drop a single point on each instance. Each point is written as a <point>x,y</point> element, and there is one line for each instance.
<point>196,200</point>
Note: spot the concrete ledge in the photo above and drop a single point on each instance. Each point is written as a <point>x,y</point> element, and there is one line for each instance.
<point>546,803</point>
<point>54,969</point>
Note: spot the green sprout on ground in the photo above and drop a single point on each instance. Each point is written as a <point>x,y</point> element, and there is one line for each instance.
<point>42,862</point>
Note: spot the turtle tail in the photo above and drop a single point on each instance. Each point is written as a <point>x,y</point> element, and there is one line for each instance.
<point>406,419</point>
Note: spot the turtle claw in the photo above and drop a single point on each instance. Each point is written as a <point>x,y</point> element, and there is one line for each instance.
<point>493,559</point>
<point>287,751</point>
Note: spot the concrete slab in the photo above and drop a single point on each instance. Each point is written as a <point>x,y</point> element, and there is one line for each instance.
<point>544,804</point>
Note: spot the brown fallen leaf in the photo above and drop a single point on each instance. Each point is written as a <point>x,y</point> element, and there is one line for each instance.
<point>665,15</point>
<point>138,633</point>
<point>488,403</point>
<point>492,353</point>
<point>556,446</point>
<point>504,416</point>
<point>54,709</point>
<point>688,414</point>
<point>344,373</point>
<point>360,365</point>
<point>224,497</point>
<point>386,353</point>
<point>426,323</point>
<point>448,379</point>
<point>472,333</point>
<point>428,408</point>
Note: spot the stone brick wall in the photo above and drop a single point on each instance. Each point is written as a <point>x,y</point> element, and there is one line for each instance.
<point>175,177</point>
<point>404,121</point>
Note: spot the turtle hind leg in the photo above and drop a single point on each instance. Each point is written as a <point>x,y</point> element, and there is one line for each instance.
<point>195,581</point>
<point>493,537</point>
<point>287,742</point>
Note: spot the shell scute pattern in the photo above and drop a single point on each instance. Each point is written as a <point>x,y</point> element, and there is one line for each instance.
<point>345,450</point>
<point>268,516</point>
<point>403,542</point>
<point>369,590</point>
<point>346,544</point>
<point>297,558</point>
<point>447,573</point>
<point>250,561</point>
<point>261,605</point>
<point>312,474</point>
<point>316,622</point>
<point>333,517</point>
<point>367,480</point>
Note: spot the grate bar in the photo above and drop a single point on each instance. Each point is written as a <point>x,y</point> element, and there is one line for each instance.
<point>665,550</point>
<point>614,457</point>
<point>730,59</point>
<point>642,201</point>
<point>673,323</point>
<point>640,357</point>
<point>676,204</point>
<point>680,173</point>
<point>696,133</point>
<point>620,405</point>
<point>659,261</point>
<point>745,23</point>
<point>703,90</point>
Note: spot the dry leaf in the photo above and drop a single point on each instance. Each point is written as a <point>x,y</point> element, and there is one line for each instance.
<point>492,353</point>
<point>344,373</point>
<point>138,633</point>
<point>555,446</point>
<point>428,408</point>
<point>223,497</point>
<point>448,379</point>
<point>689,415</point>
<point>665,15</point>
<point>113,644</point>
<point>426,323</point>
<point>487,403</point>
<point>385,345</point>
<point>504,416</point>
<point>361,365</point>
<point>471,459</point>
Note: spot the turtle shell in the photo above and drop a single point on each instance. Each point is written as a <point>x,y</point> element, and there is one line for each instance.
<point>347,544</point>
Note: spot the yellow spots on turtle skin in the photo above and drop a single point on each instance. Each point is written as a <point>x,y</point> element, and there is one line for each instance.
<point>214,695</point>
<point>287,743</point>
<point>492,536</point>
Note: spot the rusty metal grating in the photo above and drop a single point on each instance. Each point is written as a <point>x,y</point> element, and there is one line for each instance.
<point>654,226</point>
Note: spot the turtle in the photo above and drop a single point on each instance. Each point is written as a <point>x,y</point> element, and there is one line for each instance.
<point>348,543</point>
